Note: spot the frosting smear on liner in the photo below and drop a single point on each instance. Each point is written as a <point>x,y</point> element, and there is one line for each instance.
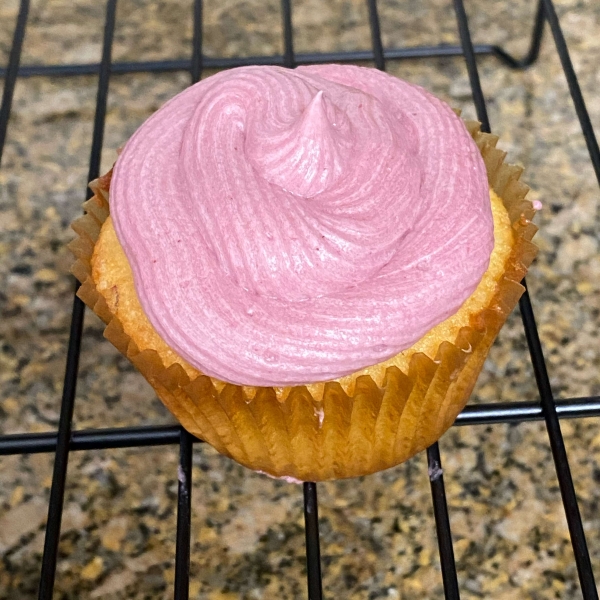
<point>294,226</point>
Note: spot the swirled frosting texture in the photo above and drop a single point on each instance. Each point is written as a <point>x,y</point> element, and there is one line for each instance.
<point>287,227</point>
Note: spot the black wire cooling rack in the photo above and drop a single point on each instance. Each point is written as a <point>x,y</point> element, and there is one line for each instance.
<point>548,409</point>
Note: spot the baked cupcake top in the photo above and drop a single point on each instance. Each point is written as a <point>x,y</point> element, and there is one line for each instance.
<point>294,226</point>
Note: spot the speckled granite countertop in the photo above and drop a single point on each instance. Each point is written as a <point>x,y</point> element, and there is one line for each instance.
<point>378,536</point>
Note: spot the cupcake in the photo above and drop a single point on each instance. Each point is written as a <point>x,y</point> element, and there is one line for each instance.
<point>309,266</point>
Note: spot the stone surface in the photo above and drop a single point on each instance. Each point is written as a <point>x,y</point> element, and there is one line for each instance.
<point>20,521</point>
<point>378,535</point>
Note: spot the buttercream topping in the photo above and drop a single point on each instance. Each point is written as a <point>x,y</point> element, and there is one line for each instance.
<point>294,226</point>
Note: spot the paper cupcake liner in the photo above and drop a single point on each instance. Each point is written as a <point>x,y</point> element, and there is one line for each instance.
<point>333,435</point>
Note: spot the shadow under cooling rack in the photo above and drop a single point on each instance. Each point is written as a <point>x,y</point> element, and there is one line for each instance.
<point>548,409</point>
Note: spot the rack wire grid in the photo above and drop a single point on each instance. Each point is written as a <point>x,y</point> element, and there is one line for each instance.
<point>550,410</point>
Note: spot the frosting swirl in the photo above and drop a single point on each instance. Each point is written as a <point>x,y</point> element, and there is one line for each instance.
<point>294,226</point>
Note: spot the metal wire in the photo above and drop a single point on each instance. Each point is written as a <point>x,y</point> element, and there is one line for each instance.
<point>197,59</point>
<point>313,552</point>
<point>183,64</point>
<point>289,59</point>
<point>57,491</point>
<point>94,439</point>
<point>518,412</point>
<point>184,517</point>
<point>469,54</point>
<point>376,41</point>
<point>534,48</point>
<point>442,522</point>
<point>12,70</point>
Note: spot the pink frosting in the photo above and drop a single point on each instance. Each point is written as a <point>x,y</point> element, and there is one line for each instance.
<point>295,226</point>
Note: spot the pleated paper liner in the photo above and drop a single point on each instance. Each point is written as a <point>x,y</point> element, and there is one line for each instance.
<point>333,434</point>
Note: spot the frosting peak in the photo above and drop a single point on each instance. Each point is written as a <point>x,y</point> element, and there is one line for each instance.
<point>294,226</point>
<point>307,156</point>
